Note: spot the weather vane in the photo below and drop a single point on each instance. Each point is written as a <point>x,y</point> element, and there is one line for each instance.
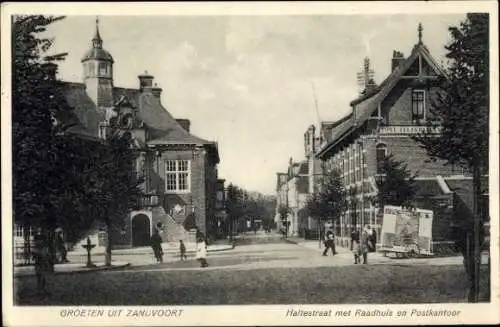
<point>420,29</point>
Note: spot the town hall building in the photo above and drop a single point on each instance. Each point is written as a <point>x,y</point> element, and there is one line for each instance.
<point>179,168</point>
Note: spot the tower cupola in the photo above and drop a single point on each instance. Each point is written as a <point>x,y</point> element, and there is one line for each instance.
<point>98,72</point>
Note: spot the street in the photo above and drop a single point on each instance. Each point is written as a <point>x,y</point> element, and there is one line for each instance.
<point>265,271</point>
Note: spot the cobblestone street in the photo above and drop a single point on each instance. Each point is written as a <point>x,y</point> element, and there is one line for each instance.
<point>271,271</point>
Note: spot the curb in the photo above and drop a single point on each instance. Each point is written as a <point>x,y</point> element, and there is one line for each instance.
<point>228,248</point>
<point>80,271</point>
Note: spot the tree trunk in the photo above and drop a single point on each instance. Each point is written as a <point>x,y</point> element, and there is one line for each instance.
<point>477,243</point>
<point>108,244</point>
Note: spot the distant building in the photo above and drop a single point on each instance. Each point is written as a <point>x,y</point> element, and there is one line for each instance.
<point>381,122</point>
<point>292,190</point>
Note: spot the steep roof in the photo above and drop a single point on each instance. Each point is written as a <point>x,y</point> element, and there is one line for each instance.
<point>85,114</point>
<point>163,127</point>
<point>366,104</point>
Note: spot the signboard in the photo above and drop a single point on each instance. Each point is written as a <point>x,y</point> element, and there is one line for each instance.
<point>390,130</point>
<point>406,230</point>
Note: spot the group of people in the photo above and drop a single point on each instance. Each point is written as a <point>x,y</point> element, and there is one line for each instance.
<point>201,248</point>
<point>361,243</point>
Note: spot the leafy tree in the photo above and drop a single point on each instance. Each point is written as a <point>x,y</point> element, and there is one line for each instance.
<point>462,110</point>
<point>43,154</point>
<point>283,211</point>
<point>397,184</point>
<point>34,105</point>
<point>113,186</point>
<point>329,202</point>
<point>234,206</point>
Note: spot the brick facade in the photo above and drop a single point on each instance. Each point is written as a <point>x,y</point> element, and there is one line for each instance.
<point>387,117</point>
<point>157,138</point>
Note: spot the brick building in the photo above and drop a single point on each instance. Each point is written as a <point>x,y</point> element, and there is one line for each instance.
<point>180,168</point>
<point>381,122</point>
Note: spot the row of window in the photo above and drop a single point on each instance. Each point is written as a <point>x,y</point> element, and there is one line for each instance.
<point>352,163</point>
<point>349,163</point>
<point>103,68</point>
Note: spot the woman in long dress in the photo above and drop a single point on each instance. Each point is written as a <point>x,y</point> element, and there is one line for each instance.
<point>201,252</point>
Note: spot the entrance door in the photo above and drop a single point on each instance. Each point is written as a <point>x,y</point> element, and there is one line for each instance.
<point>141,230</point>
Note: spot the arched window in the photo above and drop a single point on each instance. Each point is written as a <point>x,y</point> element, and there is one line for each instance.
<point>91,68</point>
<point>381,155</point>
<point>102,68</point>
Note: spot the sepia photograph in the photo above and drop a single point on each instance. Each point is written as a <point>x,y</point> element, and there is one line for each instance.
<point>161,162</point>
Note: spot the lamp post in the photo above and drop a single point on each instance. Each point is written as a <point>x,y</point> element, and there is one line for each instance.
<point>158,156</point>
<point>287,209</point>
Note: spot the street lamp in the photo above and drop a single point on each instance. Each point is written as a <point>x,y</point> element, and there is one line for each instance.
<point>158,156</point>
<point>287,209</point>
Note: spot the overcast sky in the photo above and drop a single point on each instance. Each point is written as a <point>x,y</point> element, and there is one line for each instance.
<point>245,81</point>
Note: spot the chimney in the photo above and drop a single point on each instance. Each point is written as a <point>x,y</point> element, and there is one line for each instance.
<point>370,85</point>
<point>397,59</point>
<point>185,124</point>
<point>145,82</point>
<point>51,69</point>
<point>156,90</point>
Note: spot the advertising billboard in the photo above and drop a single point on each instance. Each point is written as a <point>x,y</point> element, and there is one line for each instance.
<point>406,231</point>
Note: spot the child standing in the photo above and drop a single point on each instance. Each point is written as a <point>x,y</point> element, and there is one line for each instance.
<point>201,252</point>
<point>182,249</point>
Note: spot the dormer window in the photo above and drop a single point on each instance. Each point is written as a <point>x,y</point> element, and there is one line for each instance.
<point>418,106</point>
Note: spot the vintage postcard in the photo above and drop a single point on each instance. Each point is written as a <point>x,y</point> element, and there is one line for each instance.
<point>277,163</point>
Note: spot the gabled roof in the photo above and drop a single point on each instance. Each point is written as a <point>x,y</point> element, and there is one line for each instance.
<point>366,104</point>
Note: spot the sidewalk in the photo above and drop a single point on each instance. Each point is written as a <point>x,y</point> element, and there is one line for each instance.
<point>167,247</point>
<point>70,268</point>
<point>379,258</point>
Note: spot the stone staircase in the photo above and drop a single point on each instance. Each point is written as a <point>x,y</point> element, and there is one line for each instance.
<point>174,230</point>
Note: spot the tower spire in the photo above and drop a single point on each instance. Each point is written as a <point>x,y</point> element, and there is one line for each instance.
<point>97,41</point>
<point>420,29</point>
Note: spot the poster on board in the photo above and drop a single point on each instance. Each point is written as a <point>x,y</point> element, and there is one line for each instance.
<point>406,231</point>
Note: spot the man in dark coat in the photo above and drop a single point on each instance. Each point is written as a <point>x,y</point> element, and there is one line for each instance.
<point>156,242</point>
<point>329,243</point>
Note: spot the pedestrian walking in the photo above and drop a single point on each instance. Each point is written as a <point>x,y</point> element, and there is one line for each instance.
<point>156,242</point>
<point>355,247</point>
<point>364,245</point>
<point>329,243</point>
<point>44,263</point>
<point>182,250</point>
<point>201,252</point>
<point>373,239</point>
